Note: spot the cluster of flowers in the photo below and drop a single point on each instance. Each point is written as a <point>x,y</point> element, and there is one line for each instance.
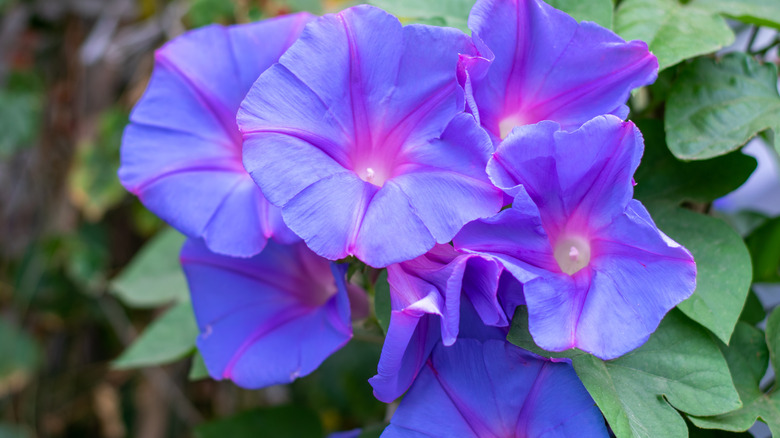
<point>483,172</point>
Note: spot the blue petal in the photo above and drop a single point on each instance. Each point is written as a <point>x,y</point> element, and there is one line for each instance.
<point>581,178</point>
<point>494,389</point>
<point>546,66</point>
<point>515,237</point>
<point>181,153</point>
<point>348,98</point>
<point>426,296</point>
<point>452,172</point>
<point>642,275</point>
<point>284,303</point>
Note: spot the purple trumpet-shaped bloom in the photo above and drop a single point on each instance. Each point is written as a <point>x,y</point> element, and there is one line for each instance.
<point>425,296</point>
<point>271,318</point>
<point>543,65</point>
<point>359,135</point>
<point>491,389</point>
<point>597,273</point>
<point>181,153</point>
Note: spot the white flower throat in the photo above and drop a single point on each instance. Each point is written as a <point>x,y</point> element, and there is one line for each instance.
<point>572,254</point>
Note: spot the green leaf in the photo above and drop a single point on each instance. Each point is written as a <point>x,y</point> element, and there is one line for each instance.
<point>374,431</point>
<point>679,367</point>
<point>674,31</point>
<point>723,268</point>
<point>340,386</point>
<point>455,13</point>
<point>599,11</point>
<point>764,246</point>
<point>313,6</point>
<point>452,13</point>
<point>154,277</point>
<point>167,339</point>
<point>753,313</point>
<point>758,12</point>
<point>743,221</point>
<point>198,370</point>
<point>86,257</point>
<point>748,357</point>
<point>21,361</point>
<point>695,432</point>
<point>276,422</point>
<point>204,12</point>
<point>773,342</point>
<point>663,177</point>
<point>716,106</point>
<point>382,307</point>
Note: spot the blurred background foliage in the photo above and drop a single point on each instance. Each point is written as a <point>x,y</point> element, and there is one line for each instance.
<point>96,329</point>
<point>71,301</point>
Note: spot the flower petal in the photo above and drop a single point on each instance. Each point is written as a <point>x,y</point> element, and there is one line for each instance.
<point>643,270</point>
<point>449,172</point>
<point>528,155</point>
<point>554,303</point>
<point>336,204</point>
<point>494,389</point>
<point>478,281</point>
<point>164,194</point>
<point>404,352</point>
<point>636,277</point>
<point>510,292</point>
<point>426,307</point>
<point>391,230</point>
<point>285,302</point>
<point>348,98</point>
<point>579,179</point>
<point>546,66</point>
<point>183,132</point>
<point>515,237</point>
<point>259,221</point>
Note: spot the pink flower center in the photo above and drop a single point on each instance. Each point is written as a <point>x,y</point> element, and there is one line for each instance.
<point>375,175</point>
<point>376,165</point>
<point>572,253</point>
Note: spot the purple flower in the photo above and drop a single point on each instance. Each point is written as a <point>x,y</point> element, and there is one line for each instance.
<point>546,66</point>
<point>358,135</point>
<point>597,273</point>
<point>426,307</point>
<point>492,389</point>
<point>271,318</point>
<point>181,153</point>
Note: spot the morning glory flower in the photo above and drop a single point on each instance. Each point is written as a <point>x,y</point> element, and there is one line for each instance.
<point>359,135</point>
<point>425,295</point>
<point>271,318</point>
<point>492,389</point>
<point>546,66</point>
<point>181,153</point>
<point>597,273</point>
